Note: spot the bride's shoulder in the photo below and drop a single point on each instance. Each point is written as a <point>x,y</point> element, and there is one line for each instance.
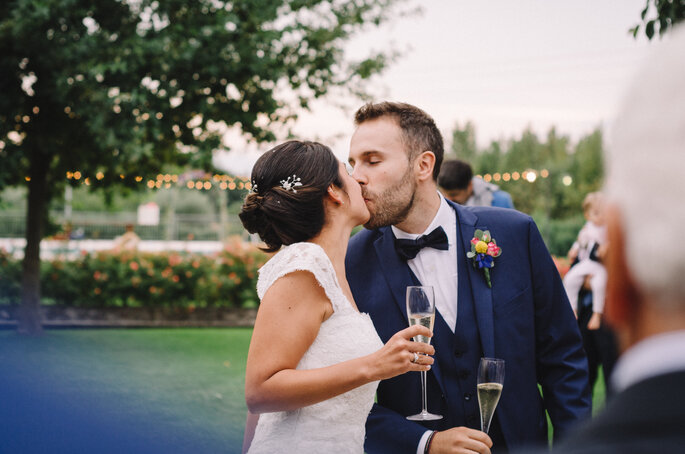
<point>298,252</point>
<point>295,257</point>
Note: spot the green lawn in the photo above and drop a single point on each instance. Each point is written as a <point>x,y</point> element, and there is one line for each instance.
<point>176,387</point>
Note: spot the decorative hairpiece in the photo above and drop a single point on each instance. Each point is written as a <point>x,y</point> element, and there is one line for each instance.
<point>290,183</point>
<point>253,188</point>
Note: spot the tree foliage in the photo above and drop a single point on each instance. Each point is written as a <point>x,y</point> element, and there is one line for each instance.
<point>117,89</point>
<point>658,16</point>
<point>464,141</point>
<point>572,170</point>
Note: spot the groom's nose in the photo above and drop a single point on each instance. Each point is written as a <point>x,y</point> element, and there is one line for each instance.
<point>358,175</point>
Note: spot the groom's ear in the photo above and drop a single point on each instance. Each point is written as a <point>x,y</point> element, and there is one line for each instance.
<point>424,164</point>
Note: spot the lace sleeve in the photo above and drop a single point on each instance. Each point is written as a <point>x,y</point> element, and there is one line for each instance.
<point>301,257</point>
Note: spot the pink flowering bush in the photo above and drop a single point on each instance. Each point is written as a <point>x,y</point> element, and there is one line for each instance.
<point>140,279</point>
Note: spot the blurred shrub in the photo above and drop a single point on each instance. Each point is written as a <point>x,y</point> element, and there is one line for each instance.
<point>10,278</point>
<point>559,234</point>
<point>140,279</point>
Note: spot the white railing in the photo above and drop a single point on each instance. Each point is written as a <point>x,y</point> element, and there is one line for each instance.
<point>73,248</point>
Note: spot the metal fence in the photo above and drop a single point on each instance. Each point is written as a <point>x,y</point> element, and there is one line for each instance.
<point>104,226</point>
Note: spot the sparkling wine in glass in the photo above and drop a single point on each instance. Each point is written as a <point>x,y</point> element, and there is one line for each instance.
<point>490,382</point>
<point>421,311</point>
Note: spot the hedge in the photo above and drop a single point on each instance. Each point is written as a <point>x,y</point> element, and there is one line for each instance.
<point>140,279</point>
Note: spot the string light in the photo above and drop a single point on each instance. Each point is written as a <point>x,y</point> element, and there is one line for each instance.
<point>529,175</point>
<point>224,182</point>
<point>199,181</point>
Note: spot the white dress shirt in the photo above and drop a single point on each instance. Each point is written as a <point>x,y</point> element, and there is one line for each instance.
<point>656,355</point>
<point>438,269</point>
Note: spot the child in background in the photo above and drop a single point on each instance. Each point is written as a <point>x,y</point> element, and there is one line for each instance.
<point>585,256</point>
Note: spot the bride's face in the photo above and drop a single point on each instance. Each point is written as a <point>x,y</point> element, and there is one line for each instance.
<point>357,209</point>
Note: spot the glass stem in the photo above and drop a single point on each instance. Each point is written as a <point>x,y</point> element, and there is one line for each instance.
<point>424,396</point>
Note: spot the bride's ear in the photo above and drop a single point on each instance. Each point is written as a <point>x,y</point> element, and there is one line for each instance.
<point>335,195</point>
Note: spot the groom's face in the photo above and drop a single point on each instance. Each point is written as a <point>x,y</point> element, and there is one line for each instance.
<point>382,168</point>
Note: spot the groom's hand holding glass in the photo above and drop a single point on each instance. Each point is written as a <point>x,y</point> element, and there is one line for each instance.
<point>460,439</point>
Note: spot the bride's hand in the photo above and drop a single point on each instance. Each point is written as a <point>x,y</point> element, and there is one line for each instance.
<point>397,355</point>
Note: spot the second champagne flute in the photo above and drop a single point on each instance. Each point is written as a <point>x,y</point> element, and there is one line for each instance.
<point>490,382</point>
<point>421,311</point>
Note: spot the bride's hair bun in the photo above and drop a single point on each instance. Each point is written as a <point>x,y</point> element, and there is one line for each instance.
<point>289,182</point>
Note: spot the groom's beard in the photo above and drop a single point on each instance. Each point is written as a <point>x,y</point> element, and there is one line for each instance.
<point>393,205</point>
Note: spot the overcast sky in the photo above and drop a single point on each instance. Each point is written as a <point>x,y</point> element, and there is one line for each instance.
<point>503,64</point>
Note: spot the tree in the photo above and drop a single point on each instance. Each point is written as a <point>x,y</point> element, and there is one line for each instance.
<point>116,89</point>
<point>464,142</point>
<point>490,159</point>
<point>587,168</point>
<point>667,14</point>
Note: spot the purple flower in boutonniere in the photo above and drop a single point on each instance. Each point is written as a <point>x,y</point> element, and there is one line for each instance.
<point>484,249</point>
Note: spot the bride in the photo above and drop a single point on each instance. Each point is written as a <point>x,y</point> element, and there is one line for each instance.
<point>314,360</point>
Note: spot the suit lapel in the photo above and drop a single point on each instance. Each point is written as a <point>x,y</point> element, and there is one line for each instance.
<point>397,273</point>
<point>468,275</point>
<point>398,276</point>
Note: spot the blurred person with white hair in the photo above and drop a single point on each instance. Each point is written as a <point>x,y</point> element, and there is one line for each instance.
<point>646,264</point>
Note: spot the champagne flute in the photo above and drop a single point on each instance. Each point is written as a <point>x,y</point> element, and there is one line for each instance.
<point>421,311</point>
<point>490,382</point>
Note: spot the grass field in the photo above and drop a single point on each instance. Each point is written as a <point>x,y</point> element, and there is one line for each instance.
<point>135,390</point>
<point>173,387</point>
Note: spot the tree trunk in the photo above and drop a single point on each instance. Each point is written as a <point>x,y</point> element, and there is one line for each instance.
<point>30,319</point>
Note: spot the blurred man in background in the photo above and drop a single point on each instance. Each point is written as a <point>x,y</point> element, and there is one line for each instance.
<point>458,184</point>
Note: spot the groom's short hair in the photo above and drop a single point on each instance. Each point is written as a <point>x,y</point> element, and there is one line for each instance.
<point>419,132</point>
<point>648,147</point>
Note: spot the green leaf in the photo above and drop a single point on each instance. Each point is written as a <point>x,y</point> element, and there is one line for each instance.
<point>478,234</point>
<point>649,29</point>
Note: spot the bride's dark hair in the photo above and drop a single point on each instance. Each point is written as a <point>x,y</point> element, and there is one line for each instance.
<point>280,212</point>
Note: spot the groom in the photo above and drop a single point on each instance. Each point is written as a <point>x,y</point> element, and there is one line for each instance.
<point>523,316</point>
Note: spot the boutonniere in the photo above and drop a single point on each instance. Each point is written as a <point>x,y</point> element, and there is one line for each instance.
<point>484,249</point>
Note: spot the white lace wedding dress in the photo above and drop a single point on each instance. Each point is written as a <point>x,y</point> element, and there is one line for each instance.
<point>335,425</point>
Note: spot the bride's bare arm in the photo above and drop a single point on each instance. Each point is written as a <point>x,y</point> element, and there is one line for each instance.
<point>288,321</point>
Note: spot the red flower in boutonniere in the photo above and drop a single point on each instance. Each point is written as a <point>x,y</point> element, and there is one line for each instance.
<point>484,249</point>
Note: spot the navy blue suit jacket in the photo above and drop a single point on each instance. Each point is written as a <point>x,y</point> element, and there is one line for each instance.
<point>525,319</point>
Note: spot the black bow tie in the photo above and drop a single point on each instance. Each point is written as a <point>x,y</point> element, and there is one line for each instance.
<point>407,249</point>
